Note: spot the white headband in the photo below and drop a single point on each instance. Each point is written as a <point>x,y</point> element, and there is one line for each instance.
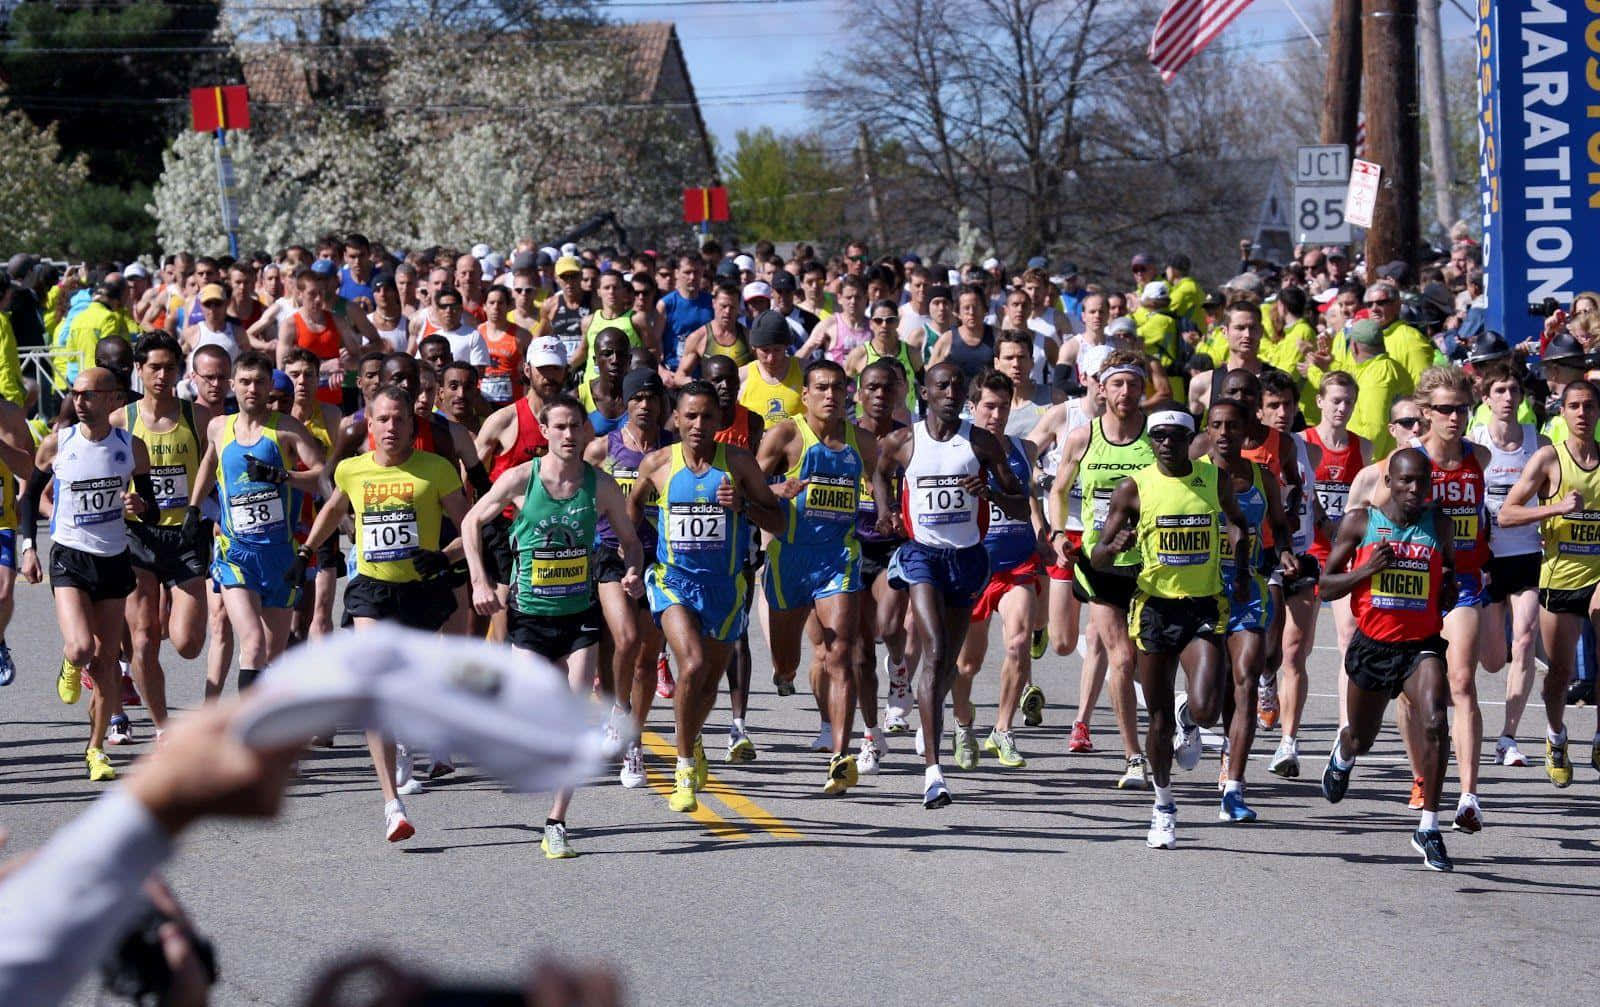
<point>1171,418</point>
<point>1106,372</point>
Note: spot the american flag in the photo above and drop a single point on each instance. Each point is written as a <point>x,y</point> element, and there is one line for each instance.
<point>1186,27</point>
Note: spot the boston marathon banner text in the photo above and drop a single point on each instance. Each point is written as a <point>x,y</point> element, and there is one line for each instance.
<point>1539,155</point>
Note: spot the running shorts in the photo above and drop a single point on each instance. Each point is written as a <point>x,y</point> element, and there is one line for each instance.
<point>875,557</point>
<point>1574,602</point>
<point>1254,613</point>
<point>1509,575</point>
<point>1167,625</point>
<point>1112,589</point>
<point>328,556</point>
<point>8,547</point>
<point>1075,540</point>
<point>798,575</point>
<point>1384,667</point>
<point>161,550</point>
<point>554,637</point>
<point>264,571</point>
<point>1470,591</point>
<point>1002,581</point>
<point>102,578</point>
<point>419,604</point>
<point>719,607</point>
<point>958,574</point>
<point>497,548</point>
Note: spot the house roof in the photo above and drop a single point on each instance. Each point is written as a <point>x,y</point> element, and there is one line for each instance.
<point>276,74</point>
<point>647,45</point>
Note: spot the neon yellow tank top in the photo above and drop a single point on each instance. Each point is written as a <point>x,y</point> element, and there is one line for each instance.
<point>397,510</point>
<point>1572,541</point>
<point>1179,525</point>
<point>772,401</point>
<point>174,460</point>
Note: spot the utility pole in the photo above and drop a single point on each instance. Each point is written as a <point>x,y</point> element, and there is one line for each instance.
<point>1434,107</point>
<point>1341,88</point>
<point>1389,59</point>
<point>864,151</point>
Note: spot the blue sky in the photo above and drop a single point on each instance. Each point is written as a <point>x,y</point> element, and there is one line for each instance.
<point>752,59</point>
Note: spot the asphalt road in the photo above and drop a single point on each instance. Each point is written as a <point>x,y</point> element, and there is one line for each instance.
<point>1035,885</point>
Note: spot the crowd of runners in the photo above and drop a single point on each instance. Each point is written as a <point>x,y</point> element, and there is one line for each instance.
<point>620,461</point>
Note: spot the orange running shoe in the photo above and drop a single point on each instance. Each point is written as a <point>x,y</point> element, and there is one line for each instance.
<point>665,686</point>
<point>1415,804</point>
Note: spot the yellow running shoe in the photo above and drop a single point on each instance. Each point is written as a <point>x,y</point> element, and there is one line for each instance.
<point>1004,747</point>
<point>555,845</point>
<point>702,770</point>
<point>1556,764</point>
<point>100,768</point>
<point>842,774</point>
<point>69,684</point>
<point>682,798</point>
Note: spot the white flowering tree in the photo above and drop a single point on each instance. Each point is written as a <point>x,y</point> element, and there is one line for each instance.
<point>35,184</point>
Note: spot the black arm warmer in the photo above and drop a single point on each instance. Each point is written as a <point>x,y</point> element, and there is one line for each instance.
<point>145,488</point>
<point>478,479</point>
<point>28,507</point>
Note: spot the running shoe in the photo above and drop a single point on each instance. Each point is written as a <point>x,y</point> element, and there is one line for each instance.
<point>1080,740</point>
<point>842,774</point>
<point>405,781</point>
<point>1234,809</point>
<point>1032,705</point>
<point>870,756</point>
<point>8,667</point>
<point>88,680</point>
<point>1556,764</point>
<point>1506,753</point>
<point>1186,746</point>
<point>396,826</point>
<point>438,768</point>
<point>740,747</point>
<point>1163,834</point>
<point>1418,799</point>
<point>69,683</point>
<point>1136,776</point>
<point>937,795</point>
<point>555,845</point>
<point>1286,760</point>
<point>785,686</point>
<point>823,742</point>
<point>682,798</point>
<point>632,773</point>
<point>1003,746</point>
<point>702,769</point>
<point>1581,692</point>
<point>1469,817</point>
<point>120,732</point>
<point>894,721</point>
<point>1041,643</point>
<point>611,740</point>
<point>665,686</point>
<point>130,692</point>
<point>965,748</point>
<point>1431,845</point>
<point>1267,703</point>
<point>1335,781</point>
<point>100,768</point>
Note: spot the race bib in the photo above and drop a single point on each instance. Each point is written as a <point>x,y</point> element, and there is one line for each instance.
<point>1580,534</point>
<point>1494,499</point>
<point>943,500</point>
<point>256,512</point>
<point>172,485</point>
<point>1101,507</point>
<point>1225,547</point>
<point>557,573</point>
<point>831,498</point>
<point>96,501</point>
<point>389,535</point>
<point>1184,539</point>
<point>1003,523</point>
<point>1333,497</point>
<point>1465,522</point>
<point>496,387</point>
<point>1401,587</point>
<point>697,526</point>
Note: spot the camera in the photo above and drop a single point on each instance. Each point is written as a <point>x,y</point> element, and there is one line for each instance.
<point>1545,308</point>
<point>137,968</point>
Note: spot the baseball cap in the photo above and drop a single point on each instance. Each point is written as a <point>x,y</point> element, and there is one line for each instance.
<point>1123,326</point>
<point>1069,269</point>
<point>568,264</point>
<point>323,267</point>
<point>547,351</point>
<point>523,261</point>
<point>783,282</point>
<point>481,250</point>
<point>1396,270</point>
<point>570,249</point>
<point>757,288</point>
<point>727,269</point>
<point>1092,358</point>
<point>492,263</point>
<point>135,270</point>
<point>640,381</point>
<point>1038,262</point>
<point>509,711</point>
<point>1327,296</point>
<point>769,329</point>
<point>991,263</point>
<point>1140,260</point>
<point>21,265</point>
<point>745,263</point>
<point>1336,252</point>
<point>1155,290</point>
<point>1366,332</point>
<point>911,257</point>
<point>212,292</point>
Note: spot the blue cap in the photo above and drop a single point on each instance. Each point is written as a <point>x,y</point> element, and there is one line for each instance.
<point>281,382</point>
<point>1038,262</point>
<point>323,267</point>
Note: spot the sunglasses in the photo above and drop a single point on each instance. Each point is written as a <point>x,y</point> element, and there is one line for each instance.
<point>856,258</point>
<point>1170,434</point>
<point>885,320</point>
<point>83,393</point>
<point>1408,422</point>
<point>522,290</point>
<point>1456,410</point>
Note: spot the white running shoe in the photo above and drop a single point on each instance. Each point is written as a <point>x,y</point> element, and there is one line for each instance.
<point>632,774</point>
<point>1186,747</point>
<point>894,721</point>
<point>396,826</point>
<point>870,756</point>
<point>1506,753</point>
<point>823,742</point>
<point>1286,760</point>
<point>611,741</point>
<point>405,781</point>
<point>1163,834</point>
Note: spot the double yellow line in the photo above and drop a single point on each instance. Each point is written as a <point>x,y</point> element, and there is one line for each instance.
<point>752,813</point>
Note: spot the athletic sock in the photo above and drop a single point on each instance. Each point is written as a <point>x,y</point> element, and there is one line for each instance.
<point>1556,739</point>
<point>684,763</point>
<point>554,821</point>
<point>1339,763</point>
<point>1233,787</point>
<point>247,677</point>
<point>1164,798</point>
<point>1430,822</point>
<point>933,774</point>
<point>390,807</point>
<point>738,726</point>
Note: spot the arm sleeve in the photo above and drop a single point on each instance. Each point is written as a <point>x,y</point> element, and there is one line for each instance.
<point>61,912</point>
<point>28,506</point>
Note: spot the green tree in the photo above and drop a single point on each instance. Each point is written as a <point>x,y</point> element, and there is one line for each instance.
<point>784,188</point>
<point>36,185</point>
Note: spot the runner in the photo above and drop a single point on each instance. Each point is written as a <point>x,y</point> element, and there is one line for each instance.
<point>704,493</point>
<point>883,608</point>
<point>1566,477</point>
<point>684,308</point>
<point>887,344</point>
<point>322,419</point>
<point>16,467</point>
<point>554,611</point>
<point>838,334</point>
<point>507,346</point>
<point>724,336</point>
<point>461,333</point>
<point>403,494</point>
<point>615,311</point>
<point>970,345</point>
<point>1029,399</point>
<point>1096,458</point>
<point>771,384</point>
<point>601,394</point>
<point>1394,560</point>
<point>1174,510</point>
<point>1514,553</point>
<point>562,314</point>
<point>169,566</point>
<point>88,466</point>
<point>947,466</point>
<point>250,458</point>
<point>1013,590</point>
<point>313,327</point>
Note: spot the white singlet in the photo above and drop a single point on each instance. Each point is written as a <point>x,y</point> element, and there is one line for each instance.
<point>1050,462</point>
<point>1305,530</point>
<point>1502,472</point>
<point>938,511</point>
<point>90,480</point>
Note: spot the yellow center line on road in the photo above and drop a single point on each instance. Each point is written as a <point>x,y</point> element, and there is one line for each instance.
<point>740,805</point>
